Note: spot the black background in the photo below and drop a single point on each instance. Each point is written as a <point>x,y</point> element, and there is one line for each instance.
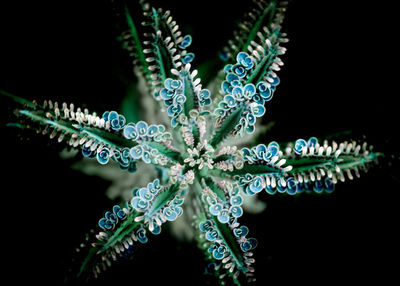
<point>340,74</point>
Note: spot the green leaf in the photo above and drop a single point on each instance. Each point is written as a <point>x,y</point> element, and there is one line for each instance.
<point>95,253</point>
<point>251,169</point>
<point>39,117</point>
<point>263,16</point>
<point>255,169</point>
<point>164,59</point>
<point>137,42</point>
<point>227,126</point>
<point>215,188</point>
<point>262,21</point>
<point>190,95</point>
<point>231,242</point>
<point>166,151</point>
<point>167,194</point>
<point>108,138</point>
<point>124,230</point>
<point>305,164</point>
<point>261,68</point>
<point>89,261</point>
<point>17,99</point>
<point>196,133</point>
<point>70,127</point>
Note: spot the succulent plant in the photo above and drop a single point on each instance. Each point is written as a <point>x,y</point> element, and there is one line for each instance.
<point>205,170</point>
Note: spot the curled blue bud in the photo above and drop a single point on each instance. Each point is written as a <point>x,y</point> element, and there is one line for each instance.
<point>141,127</point>
<point>178,201</point>
<point>239,70</point>
<point>169,85</point>
<point>219,112</point>
<point>116,120</point>
<point>87,152</point>
<point>186,41</point>
<point>241,231</point>
<point>139,204</point>
<point>132,168</point>
<point>119,212</point>
<point>318,186</point>
<point>273,150</point>
<point>204,101</point>
<point>204,97</point>
<point>106,224</point>
<point>280,187</point>
<point>103,156</point>
<point>218,254</point>
<point>253,242</point>
<point>235,191</point>
<point>264,90</point>
<point>188,58</point>
<point>291,186</point>
<point>258,99</point>
<point>236,200</point>
<point>274,81</point>
<point>223,56</point>
<point>146,157</point>
<point>170,214</point>
<point>246,151</point>
<point>273,144</point>
<point>256,185</point>
<point>258,110</point>
<point>205,225</point>
<point>312,142</point>
<point>179,211</point>
<point>245,60</point>
<point>156,185</point>
<point>145,194</point>
<point>230,100</point>
<point>211,234</point>
<point>105,115</point>
<point>215,209</point>
<point>245,246</point>
<point>174,121</point>
<point>230,77</point>
<point>236,82</point>
<point>270,190</point>
<point>241,57</point>
<point>124,156</point>
<point>329,185</point>
<point>249,90</point>
<point>152,130</point>
<point>210,268</point>
<point>136,152</point>
<point>228,68</point>
<point>141,235</point>
<point>175,84</point>
<point>204,93</point>
<point>167,94</point>
<point>236,211</point>
<point>223,216</point>
<point>299,145</point>
<point>261,149</point>
<point>112,115</point>
<point>237,92</point>
<point>248,245</point>
<point>226,87</point>
<point>156,228</point>
<point>111,217</point>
